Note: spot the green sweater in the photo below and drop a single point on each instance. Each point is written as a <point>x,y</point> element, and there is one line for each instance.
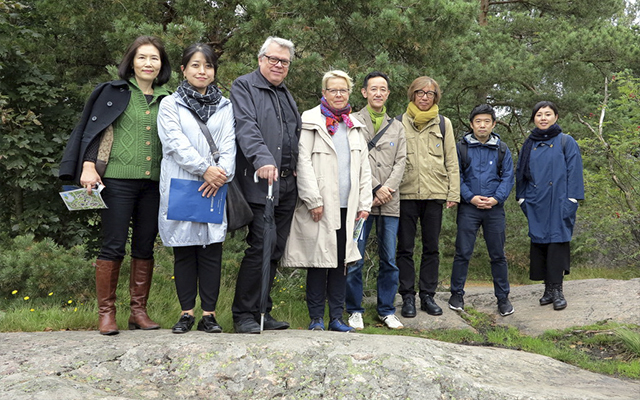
<point>137,150</point>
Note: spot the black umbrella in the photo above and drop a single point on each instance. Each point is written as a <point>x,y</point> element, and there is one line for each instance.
<point>268,239</point>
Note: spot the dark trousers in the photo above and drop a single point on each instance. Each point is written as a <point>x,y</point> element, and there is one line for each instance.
<point>246,303</point>
<point>132,202</point>
<point>329,284</point>
<point>198,266</point>
<point>429,212</point>
<point>493,224</point>
<point>549,261</point>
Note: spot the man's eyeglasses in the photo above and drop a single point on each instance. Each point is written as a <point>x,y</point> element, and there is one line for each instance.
<point>276,60</point>
<point>335,92</point>
<point>421,93</point>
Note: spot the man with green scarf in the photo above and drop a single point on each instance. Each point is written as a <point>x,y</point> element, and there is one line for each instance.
<point>387,153</point>
<point>431,179</point>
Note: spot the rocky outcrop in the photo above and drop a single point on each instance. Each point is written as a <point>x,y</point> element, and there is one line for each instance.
<point>298,364</point>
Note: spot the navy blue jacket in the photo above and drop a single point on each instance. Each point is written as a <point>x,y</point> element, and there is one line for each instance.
<point>556,177</point>
<point>481,177</point>
<point>107,101</point>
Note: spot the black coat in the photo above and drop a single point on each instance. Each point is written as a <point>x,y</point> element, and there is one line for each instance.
<point>107,102</point>
<point>259,133</point>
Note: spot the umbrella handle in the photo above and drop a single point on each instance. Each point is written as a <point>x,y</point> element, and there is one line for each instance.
<point>255,179</point>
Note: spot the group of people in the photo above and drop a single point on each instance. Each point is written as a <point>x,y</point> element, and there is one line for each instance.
<point>333,174</point>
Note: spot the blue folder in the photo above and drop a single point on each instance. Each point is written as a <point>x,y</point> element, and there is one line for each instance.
<point>187,204</point>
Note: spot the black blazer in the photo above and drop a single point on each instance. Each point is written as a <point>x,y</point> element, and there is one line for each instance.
<point>107,102</point>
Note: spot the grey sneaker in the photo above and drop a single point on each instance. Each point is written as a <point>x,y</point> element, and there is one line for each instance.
<point>456,302</point>
<point>355,321</point>
<point>504,307</point>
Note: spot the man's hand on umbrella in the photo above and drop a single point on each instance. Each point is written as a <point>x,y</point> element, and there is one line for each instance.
<point>269,172</point>
<point>316,213</point>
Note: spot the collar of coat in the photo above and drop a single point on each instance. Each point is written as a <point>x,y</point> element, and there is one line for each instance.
<point>492,142</point>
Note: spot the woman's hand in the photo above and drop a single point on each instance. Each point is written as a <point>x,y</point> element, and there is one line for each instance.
<point>214,178</point>
<point>89,177</point>
<point>316,213</point>
<point>362,215</point>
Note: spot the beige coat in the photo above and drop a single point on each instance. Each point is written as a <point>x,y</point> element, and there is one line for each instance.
<point>314,244</point>
<point>432,171</point>
<point>387,160</point>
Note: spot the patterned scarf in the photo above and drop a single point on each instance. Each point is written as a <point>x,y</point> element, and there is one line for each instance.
<point>537,135</point>
<point>204,105</point>
<point>334,117</point>
<point>421,118</point>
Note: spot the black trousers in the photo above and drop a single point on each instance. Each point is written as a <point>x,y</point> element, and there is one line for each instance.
<point>549,261</point>
<point>198,266</point>
<point>132,202</point>
<point>329,284</point>
<point>429,212</point>
<point>246,303</point>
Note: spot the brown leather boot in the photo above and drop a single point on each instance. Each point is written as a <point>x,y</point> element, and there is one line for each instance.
<point>139,286</point>
<point>106,282</point>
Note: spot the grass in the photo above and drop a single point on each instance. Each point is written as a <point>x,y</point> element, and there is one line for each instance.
<point>604,348</point>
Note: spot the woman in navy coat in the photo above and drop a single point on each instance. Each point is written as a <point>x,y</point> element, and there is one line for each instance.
<point>548,186</point>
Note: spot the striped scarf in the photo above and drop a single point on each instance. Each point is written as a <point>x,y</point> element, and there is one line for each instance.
<point>204,105</point>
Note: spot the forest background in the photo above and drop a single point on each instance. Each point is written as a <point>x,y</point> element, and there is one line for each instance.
<point>581,54</point>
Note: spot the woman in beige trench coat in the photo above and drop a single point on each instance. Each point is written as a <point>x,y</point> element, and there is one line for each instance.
<point>334,189</point>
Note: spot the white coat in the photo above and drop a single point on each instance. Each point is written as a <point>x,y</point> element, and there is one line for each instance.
<point>314,244</point>
<point>186,155</point>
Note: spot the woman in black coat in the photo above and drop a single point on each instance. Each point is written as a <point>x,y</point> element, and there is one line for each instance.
<point>116,144</point>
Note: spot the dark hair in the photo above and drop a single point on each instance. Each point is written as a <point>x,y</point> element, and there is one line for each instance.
<point>542,104</point>
<point>374,74</point>
<point>482,109</point>
<point>207,52</point>
<point>125,69</point>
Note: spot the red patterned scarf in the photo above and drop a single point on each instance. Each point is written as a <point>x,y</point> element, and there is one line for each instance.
<point>334,117</point>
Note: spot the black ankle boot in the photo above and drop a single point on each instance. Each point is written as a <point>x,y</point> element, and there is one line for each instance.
<point>559,302</point>
<point>546,297</point>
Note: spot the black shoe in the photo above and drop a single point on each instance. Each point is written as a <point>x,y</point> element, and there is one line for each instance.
<point>546,298</point>
<point>559,302</point>
<point>246,325</point>
<point>209,324</point>
<point>184,324</point>
<point>504,307</point>
<point>456,302</point>
<point>409,306</point>
<point>270,324</point>
<point>428,304</point>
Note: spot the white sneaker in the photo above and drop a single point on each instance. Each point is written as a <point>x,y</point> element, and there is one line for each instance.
<point>391,321</point>
<point>355,321</point>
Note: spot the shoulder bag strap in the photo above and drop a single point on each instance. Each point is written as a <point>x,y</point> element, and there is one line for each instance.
<point>374,141</point>
<point>207,135</point>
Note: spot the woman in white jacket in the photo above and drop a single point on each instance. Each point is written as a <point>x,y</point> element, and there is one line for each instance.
<point>334,189</point>
<point>197,247</point>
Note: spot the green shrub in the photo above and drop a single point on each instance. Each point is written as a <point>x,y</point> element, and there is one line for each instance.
<point>37,268</point>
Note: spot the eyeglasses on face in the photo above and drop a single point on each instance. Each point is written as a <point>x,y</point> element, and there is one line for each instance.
<point>335,92</point>
<point>421,93</point>
<point>276,60</point>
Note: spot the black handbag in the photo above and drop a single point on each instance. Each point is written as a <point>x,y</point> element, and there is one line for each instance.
<point>239,212</point>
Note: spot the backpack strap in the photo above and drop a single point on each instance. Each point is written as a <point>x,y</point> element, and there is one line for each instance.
<point>463,148</point>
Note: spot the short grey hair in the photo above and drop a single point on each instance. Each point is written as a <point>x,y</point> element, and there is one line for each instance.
<point>336,73</point>
<point>288,44</point>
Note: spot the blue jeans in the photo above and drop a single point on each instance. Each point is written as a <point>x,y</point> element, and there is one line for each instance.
<point>387,229</point>
<point>470,219</point>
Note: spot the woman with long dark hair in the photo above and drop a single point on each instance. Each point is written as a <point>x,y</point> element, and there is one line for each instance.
<point>548,186</point>
<point>118,129</point>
